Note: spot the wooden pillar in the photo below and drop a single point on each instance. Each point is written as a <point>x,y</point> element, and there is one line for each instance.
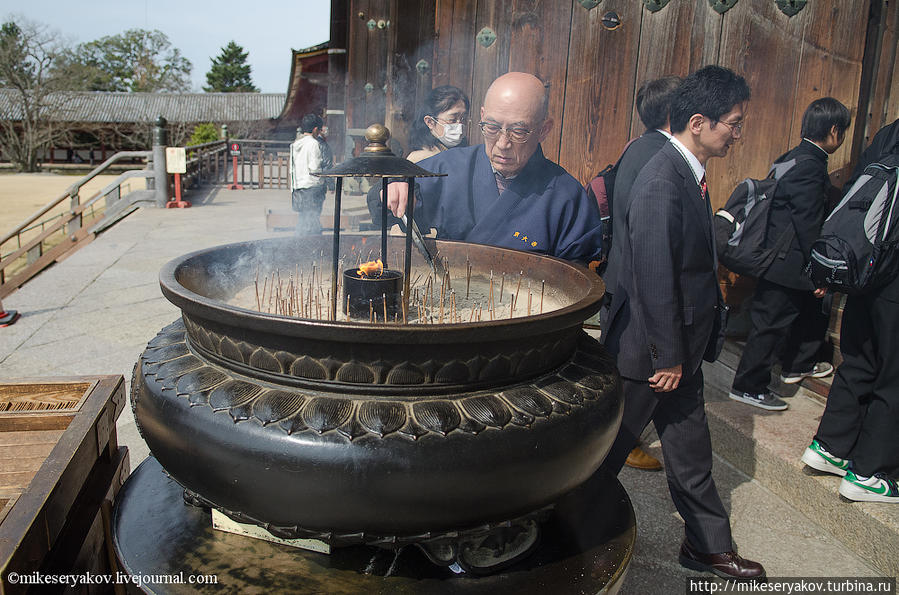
<point>261,156</point>
<point>335,114</point>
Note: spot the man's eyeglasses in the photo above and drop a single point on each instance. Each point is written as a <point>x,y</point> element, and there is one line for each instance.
<point>736,128</point>
<point>515,134</point>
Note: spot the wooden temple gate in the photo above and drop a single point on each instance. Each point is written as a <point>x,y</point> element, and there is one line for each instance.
<point>594,54</point>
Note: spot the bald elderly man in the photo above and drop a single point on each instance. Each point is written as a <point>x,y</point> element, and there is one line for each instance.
<point>505,192</point>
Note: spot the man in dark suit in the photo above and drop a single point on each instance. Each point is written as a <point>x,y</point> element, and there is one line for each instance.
<point>786,305</point>
<point>653,105</point>
<point>665,313</point>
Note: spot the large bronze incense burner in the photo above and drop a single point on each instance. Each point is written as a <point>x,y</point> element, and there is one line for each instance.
<point>385,430</point>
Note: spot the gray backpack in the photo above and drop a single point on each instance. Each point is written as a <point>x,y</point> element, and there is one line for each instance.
<point>859,245</point>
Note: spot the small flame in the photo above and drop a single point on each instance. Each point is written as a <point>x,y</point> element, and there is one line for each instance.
<point>372,268</point>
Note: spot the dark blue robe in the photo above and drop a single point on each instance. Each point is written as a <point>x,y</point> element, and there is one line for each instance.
<point>544,209</point>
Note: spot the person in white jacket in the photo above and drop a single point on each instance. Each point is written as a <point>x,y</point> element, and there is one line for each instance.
<point>307,192</point>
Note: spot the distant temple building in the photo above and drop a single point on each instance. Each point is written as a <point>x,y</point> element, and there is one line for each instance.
<point>101,123</point>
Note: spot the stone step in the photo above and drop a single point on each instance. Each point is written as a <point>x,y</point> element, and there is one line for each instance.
<point>767,446</point>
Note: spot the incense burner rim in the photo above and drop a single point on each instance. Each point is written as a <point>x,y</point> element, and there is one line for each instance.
<point>220,311</point>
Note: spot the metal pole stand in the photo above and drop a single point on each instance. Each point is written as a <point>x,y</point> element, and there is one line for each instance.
<point>160,178</point>
<point>177,203</point>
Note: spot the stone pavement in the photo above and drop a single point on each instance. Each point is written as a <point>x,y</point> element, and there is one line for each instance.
<point>94,312</point>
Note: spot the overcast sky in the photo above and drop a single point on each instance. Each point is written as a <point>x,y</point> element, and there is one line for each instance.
<point>267,30</point>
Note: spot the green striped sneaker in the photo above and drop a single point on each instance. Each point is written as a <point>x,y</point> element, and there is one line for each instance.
<point>816,457</point>
<point>877,488</point>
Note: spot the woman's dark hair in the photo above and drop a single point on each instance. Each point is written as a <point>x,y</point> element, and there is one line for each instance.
<point>822,115</point>
<point>438,100</point>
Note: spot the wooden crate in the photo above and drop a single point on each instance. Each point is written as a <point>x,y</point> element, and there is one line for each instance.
<point>60,468</point>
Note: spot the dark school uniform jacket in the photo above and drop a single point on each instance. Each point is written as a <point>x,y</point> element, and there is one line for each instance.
<point>800,201</point>
<point>637,155</point>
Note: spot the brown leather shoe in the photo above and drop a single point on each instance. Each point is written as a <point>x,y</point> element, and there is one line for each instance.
<point>726,565</point>
<point>640,459</point>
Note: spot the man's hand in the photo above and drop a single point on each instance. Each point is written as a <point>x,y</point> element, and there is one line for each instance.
<point>820,292</point>
<point>666,379</point>
<point>397,198</point>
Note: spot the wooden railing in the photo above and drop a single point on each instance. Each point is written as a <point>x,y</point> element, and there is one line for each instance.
<point>261,164</point>
<point>41,240</point>
<point>44,238</point>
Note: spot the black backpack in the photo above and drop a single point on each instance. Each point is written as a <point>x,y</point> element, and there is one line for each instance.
<point>741,227</point>
<point>859,245</point>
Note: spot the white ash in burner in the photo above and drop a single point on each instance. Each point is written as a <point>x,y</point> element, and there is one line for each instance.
<point>452,296</point>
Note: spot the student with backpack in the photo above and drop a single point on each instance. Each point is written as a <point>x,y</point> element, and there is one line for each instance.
<point>653,103</point>
<point>786,305</point>
<point>858,436</point>
<point>612,186</point>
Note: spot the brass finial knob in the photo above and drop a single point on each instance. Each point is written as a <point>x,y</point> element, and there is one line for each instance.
<point>377,136</point>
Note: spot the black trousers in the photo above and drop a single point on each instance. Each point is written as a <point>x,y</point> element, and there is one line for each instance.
<point>861,418</point>
<point>307,202</point>
<point>780,313</point>
<point>679,418</point>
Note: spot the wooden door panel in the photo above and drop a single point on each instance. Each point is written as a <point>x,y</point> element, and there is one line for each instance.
<point>679,39</point>
<point>492,61</point>
<point>454,54</point>
<point>412,40</point>
<point>831,65</point>
<point>599,88</point>
<point>357,64</point>
<point>539,32</point>
<point>762,44</point>
<point>884,101</point>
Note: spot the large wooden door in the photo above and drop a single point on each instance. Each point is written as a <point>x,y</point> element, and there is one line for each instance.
<point>593,57</point>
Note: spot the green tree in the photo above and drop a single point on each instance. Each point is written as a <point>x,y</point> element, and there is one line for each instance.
<point>203,133</point>
<point>230,72</point>
<point>136,60</point>
<point>33,102</point>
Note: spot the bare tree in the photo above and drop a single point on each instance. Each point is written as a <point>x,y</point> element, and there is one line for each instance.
<point>33,104</point>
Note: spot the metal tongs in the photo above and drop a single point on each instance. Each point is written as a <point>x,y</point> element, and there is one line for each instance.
<point>419,241</point>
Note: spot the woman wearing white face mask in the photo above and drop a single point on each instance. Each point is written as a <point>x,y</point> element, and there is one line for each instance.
<point>441,123</point>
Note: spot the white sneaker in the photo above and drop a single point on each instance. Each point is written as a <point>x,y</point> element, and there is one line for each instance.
<point>877,488</point>
<point>820,370</point>
<point>816,457</point>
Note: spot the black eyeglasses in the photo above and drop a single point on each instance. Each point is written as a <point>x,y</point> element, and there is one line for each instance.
<point>516,134</point>
<point>736,128</point>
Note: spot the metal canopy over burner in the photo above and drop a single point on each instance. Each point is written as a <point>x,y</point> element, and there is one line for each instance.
<point>377,161</point>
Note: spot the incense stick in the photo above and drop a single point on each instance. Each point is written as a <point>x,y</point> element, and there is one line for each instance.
<point>542,288</point>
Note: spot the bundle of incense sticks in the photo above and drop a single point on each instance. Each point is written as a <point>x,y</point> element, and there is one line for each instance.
<point>301,295</point>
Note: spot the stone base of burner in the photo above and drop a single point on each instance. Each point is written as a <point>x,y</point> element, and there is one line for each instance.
<point>585,546</point>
